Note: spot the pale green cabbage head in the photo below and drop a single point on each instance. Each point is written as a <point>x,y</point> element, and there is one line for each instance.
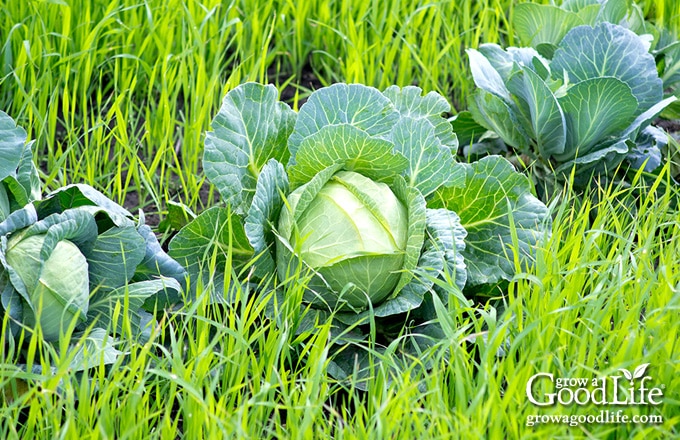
<point>353,234</point>
<point>58,288</point>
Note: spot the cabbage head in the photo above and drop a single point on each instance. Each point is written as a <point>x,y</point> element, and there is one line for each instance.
<point>353,235</point>
<point>58,287</point>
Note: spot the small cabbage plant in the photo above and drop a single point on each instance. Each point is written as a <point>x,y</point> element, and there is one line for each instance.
<point>358,200</point>
<point>74,260</point>
<point>586,110</point>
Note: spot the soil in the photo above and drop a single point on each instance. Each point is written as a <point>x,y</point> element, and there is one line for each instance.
<point>670,126</point>
<point>308,80</point>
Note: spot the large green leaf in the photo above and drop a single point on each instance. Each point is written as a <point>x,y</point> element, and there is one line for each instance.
<point>410,103</point>
<point>19,181</point>
<point>24,186</point>
<point>646,153</point>
<point>509,61</point>
<point>643,120</point>
<point>211,244</point>
<point>359,106</point>
<point>447,235</point>
<point>430,163</point>
<point>105,305</point>
<point>12,140</point>
<point>609,50</point>
<point>345,144</point>
<point>177,217</point>
<point>4,203</point>
<point>27,175</point>
<point>18,219</point>
<point>93,349</point>
<point>594,109</point>
<point>467,129</point>
<point>251,127</point>
<point>540,24</point>
<point>417,218</point>
<point>486,77</point>
<point>613,11</point>
<point>605,158</point>
<point>11,295</point>
<point>16,288</point>
<point>156,261</point>
<point>578,5</point>
<point>85,197</point>
<point>114,257</point>
<point>593,12</point>
<point>492,112</point>
<point>75,225</point>
<point>546,117</point>
<point>272,186</point>
<point>10,300</point>
<point>495,204</point>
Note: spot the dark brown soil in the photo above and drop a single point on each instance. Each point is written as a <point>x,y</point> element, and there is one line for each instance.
<point>308,80</point>
<point>671,126</point>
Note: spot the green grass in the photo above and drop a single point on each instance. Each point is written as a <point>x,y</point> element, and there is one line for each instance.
<point>117,95</point>
<point>602,295</point>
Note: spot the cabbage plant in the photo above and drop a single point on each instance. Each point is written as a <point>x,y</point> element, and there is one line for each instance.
<point>358,199</point>
<point>586,110</point>
<point>67,266</point>
<point>74,259</point>
<point>543,26</point>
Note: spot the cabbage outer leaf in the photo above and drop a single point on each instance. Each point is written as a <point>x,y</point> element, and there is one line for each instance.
<point>355,149</point>
<point>212,246</point>
<point>272,185</point>
<point>19,181</point>
<point>410,103</point>
<point>356,105</point>
<point>251,127</point>
<point>543,24</point>
<point>104,306</point>
<point>595,109</point>
<point>501,216</point>
<point>12,140</point>
<point>609,50</point>
<point>546,118</point>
